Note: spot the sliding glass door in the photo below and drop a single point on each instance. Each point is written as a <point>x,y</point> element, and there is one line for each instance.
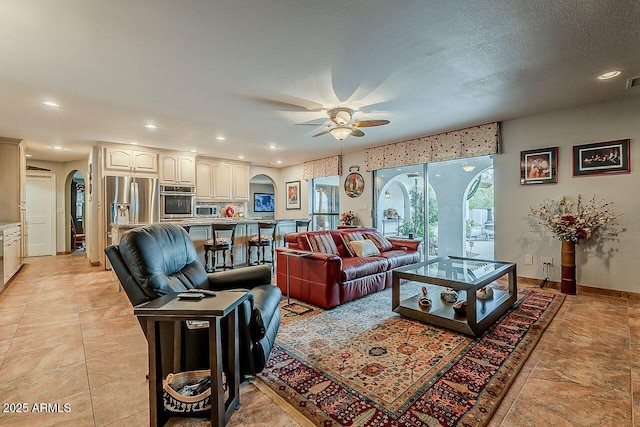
<point>449,205</point>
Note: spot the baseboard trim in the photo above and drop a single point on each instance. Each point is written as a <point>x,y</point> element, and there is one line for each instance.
<point>581,289</point>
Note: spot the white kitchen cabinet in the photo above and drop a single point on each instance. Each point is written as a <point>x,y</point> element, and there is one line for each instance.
<point>177,169</point>
<point>221,181</point>
<point>12,248</point>
<point>122,159</point>
<point>240,180</point>
<point>204,180</point>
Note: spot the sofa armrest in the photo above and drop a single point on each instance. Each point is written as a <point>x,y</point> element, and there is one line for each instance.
<point>405,244</point>
<point>247,278</point>
<point>313,255</point>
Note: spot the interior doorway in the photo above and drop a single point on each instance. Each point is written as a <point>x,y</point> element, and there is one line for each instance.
<point>76,209</point>
<point>41,202</point>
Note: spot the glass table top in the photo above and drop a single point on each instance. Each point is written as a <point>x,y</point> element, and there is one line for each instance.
<point>458,269</point>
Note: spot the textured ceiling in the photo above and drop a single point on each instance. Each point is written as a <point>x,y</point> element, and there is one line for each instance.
<point>251,70</point>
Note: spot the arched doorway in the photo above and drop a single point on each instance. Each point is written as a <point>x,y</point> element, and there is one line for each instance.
<point>262,202</point>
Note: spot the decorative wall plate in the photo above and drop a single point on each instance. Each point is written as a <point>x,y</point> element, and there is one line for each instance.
<point>354,185</point>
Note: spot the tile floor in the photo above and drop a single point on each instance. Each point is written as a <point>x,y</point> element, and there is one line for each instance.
<point>68,337</point>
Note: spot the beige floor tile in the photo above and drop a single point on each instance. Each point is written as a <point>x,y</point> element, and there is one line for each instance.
<point>131,339</point>
<point>47,327</point>
<point>141,419</point>
<point>44,338</point>
<point>120,399</point>
<point>41,361</point>
<point>103,327</point>
<point>114,366</point>
<point>550,403</point>
<point>9,316</point>
<point>55,384</point>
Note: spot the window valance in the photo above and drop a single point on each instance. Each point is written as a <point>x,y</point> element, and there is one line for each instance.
<point>328,166</point>
<point>470,142</point>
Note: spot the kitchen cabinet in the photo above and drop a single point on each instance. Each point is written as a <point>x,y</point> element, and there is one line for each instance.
<point>240,182</point>
<point>12,251</point>
<point>123,159</point>
<point>177,169</point>
<point>221,181</point>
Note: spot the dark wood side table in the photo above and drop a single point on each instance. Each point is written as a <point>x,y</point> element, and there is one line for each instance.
<point>212,309</point>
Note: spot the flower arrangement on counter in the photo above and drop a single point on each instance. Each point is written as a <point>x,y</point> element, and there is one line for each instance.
<point>391,213</point>
<point>579,224</point>
<point>349,218</point>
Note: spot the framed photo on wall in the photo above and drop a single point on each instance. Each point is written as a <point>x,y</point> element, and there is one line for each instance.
<point>539,166</point>
<point>292,190</point>
<point>354,185</point>
<point>601,158</point>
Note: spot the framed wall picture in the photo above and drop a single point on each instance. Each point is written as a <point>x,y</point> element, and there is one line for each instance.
<point>601,157</point>
<point>292,190</point>
<point>354,185</point>
<point>539,166</point>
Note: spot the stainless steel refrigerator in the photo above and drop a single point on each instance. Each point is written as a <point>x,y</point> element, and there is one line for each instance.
<point>130,200</point>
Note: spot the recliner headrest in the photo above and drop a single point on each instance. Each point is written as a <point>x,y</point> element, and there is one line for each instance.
<point>162,259</point>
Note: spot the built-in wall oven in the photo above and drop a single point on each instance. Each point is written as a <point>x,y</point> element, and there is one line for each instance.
<point>177,202</point>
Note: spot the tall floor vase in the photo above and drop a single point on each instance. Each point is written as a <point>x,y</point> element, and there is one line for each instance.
<point>568,285</point>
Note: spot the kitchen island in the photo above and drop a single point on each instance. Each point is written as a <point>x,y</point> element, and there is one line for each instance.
<point>200,231</point>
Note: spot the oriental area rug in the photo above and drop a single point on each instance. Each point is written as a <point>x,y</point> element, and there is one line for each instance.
<point>360,364</point>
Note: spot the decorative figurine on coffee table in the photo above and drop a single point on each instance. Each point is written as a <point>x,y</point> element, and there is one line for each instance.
<point>460,308</point>
<point>424,301</point>
<point>484,293</point>
<point>449,295</point>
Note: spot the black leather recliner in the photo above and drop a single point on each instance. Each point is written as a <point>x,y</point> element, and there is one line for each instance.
<point>158,259</point>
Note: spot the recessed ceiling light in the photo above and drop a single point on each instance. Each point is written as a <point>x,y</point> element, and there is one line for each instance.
<point>220,138</point>
<point>28,155</point>
<point>50,104</point>
<point>609,75</point>
<point>241,156</point>
<point>272,147</point>
<point>273,163</point>
<point>279,162</point>
<point>151,126</point>
<point>134,143</point>
<point>194,151</point>
<point>57,147</point>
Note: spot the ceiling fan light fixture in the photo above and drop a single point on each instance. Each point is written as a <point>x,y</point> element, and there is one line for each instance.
<point>341,132</point>
<point>468,168</point>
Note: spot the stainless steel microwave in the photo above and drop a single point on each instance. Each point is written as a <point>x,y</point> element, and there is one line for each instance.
<point>206,211</point>
<point>177,202</point>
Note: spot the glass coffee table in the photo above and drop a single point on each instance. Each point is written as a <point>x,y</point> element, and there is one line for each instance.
<point>465,276</point>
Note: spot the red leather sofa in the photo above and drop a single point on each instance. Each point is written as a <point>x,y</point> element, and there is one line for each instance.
<point>328,280</point>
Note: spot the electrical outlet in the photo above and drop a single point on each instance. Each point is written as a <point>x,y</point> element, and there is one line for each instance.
<point>528,259</point>
<point>546,260</point>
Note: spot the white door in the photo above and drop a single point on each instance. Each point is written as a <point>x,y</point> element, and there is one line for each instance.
<point>40,215</point>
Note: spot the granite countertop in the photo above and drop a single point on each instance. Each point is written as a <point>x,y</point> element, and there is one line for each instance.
<point>206,221</point>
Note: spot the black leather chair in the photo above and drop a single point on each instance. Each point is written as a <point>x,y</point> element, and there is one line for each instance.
<point>158,259</point>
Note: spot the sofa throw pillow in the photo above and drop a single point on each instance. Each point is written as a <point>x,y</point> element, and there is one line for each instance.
<point>351,236</point>
<point>380,241</point>
<point>364,248</point>
<point>322,242</point>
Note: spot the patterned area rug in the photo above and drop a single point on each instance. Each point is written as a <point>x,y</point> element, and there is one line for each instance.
<point>360,364</point>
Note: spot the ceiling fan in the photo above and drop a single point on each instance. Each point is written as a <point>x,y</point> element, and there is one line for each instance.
<point>341,124</point>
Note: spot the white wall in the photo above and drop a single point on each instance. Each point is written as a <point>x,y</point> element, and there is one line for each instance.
<point>514,236</point>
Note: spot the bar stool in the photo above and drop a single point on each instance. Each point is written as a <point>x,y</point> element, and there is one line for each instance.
<point>266,237</point>
<point>302,223</point>
<point>223,238</point>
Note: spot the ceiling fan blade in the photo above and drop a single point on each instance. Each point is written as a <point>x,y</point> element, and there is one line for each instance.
<point>370,123</point>
<point>357,132</point>
<point>323,132</point>
<point>323,123</point>
<point>288,103</point>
